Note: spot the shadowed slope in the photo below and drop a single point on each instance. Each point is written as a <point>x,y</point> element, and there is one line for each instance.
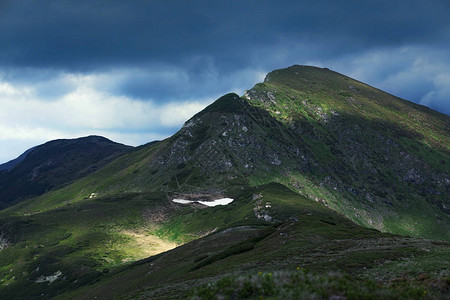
<point>54,164</point>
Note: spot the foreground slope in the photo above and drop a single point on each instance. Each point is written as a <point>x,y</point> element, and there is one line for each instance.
<point>307,238</point>
<point>54,164</point>
<point>89,249</point>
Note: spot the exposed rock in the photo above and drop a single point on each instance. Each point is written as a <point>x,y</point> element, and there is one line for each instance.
<point>49,278</point>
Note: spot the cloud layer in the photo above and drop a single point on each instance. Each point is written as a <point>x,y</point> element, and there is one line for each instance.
<point>134,71</point>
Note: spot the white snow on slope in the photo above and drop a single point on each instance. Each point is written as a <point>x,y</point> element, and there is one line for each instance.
<point>223,201</point>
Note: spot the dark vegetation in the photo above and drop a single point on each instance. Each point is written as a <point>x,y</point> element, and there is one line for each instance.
<point>301,284</point>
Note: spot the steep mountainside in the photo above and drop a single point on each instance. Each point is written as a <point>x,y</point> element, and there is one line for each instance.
<point>54,164</point>
<point>379,160</point>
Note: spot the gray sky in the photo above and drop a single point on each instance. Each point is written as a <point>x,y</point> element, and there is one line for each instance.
<point>135,70</point>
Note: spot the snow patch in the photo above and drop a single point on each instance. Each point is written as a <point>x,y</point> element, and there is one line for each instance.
<point>182,201</point>
<point>222,201</point>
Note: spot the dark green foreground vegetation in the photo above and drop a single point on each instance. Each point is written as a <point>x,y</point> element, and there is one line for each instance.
<point>305,235</point>
<point>301,284</point>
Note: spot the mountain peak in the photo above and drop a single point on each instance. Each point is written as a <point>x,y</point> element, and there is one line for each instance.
<point>296,71</point>
<point>227,104</point>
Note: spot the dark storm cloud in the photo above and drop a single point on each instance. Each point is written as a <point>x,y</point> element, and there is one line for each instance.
<point>87,34</point>
<point>171,83</point>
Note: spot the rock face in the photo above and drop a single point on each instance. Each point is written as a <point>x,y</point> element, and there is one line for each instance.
<point>229,143</point>
<point>54,164</point>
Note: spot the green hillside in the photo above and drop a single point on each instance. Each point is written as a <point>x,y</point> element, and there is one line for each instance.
<point>354,261</point>
<point>380,160</point>
<point>327,174</point>
<point>97,241</point>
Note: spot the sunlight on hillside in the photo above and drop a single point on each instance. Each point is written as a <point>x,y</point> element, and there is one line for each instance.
<point>142,245</point>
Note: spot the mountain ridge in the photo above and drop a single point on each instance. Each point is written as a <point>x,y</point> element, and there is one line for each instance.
<point>54,164</point>
<point>7,166</point>
<point>315,138</point>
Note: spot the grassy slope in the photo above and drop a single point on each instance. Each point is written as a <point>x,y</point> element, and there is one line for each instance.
<point>333,91</point>
<point>84,238</point>
<point>310,237</point>
<point>80,240</point>
<point>115,178</point>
